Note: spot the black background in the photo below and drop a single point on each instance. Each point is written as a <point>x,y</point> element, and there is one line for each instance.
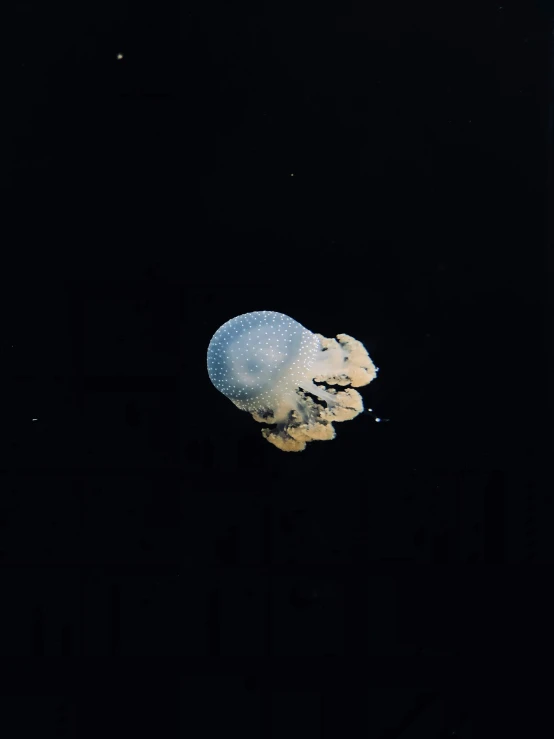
<point>379,172</point>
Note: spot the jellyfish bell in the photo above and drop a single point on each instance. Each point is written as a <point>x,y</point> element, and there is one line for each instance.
<point>270,365</point>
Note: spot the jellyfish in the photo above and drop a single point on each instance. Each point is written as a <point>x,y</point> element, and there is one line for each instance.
<point>271,366</point>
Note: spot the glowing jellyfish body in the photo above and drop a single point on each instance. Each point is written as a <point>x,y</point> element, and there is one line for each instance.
<point>268,364</point>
